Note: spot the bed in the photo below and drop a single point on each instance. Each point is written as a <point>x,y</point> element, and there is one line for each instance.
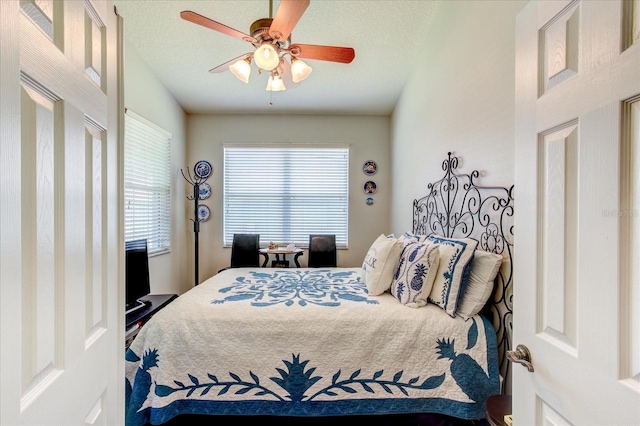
<point>315,342</point>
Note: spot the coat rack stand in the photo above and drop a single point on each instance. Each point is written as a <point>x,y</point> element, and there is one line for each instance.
<point>195,180</point>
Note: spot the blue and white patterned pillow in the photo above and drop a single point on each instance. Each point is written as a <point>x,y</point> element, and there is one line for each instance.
<point>408,237</point>
<point>416,272</point>
<point>456,260</point>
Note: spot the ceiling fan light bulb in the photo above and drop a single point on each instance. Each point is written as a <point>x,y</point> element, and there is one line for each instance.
<point>241,69</point>
<point>266,57</point>
<point>275,83</point>
<point>299,70</point>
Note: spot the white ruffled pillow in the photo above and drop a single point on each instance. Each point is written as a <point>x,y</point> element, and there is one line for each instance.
<point>380,264</point>
<point>480,286</point>
<point>415,274</point>
<point>456,256</point>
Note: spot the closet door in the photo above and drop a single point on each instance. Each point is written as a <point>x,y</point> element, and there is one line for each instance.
<point>577,281</point>
<point>60,224</point>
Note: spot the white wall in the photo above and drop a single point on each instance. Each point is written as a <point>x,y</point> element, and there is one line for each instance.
<point>368,137</point>
<point>460,98</point>
<point>146,96</point>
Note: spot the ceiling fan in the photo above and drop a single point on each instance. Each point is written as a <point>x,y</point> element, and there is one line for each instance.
<point>271,38</point>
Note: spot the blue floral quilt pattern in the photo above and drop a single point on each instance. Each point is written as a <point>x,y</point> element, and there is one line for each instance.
<point>289,286</point>
<point>305,343</point>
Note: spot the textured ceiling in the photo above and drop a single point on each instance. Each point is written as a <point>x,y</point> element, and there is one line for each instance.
<point>386,36</point>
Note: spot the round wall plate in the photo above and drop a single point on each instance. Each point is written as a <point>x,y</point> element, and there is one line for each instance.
<point>370,167</point>
<point>204,191</point>
<point>203,213</point>
<point>369,201</point>
<point>370,187</point>
<point>202,169</point>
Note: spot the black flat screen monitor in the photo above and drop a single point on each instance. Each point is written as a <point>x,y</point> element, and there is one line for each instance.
<point>137,273</point>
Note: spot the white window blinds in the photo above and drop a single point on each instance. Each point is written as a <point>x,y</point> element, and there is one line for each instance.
<point>286,193</point>
<point>147,183</point>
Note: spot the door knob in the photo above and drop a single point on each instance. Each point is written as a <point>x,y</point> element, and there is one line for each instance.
<point>521,356</point>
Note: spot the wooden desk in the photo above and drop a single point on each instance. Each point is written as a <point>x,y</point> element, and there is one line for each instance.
<point>497,406</point>
<point>296,252</point>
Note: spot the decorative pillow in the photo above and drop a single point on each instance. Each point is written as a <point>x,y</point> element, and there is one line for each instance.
<point>380,263</point>
<point>485,268</point>
<point>454,269</point>
<point>415,273</point>
<point>408,237</point>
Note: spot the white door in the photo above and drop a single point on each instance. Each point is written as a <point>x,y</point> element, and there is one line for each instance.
<point>62,340</point>
<point>577,168</point>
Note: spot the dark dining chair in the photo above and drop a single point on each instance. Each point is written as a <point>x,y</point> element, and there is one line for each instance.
<point>322,251</point>
<point>245,251</point>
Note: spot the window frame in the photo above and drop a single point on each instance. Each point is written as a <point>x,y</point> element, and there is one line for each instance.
<point>154,183</point>
<point>274,170</point>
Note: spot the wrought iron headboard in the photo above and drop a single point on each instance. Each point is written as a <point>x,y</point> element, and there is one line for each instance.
<point>456,207</point>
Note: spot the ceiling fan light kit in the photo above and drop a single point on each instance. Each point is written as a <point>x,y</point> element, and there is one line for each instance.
<point>275,83</point>
<point>242,69</point>
<point>271,37</point>
<point>299,70</point>
<point>266,57</point>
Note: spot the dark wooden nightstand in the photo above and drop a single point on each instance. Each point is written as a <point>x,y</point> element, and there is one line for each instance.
<point>497,406</point>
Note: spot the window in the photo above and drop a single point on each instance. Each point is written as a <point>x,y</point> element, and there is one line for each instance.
<point>286,193</point>
<point>147,184</point>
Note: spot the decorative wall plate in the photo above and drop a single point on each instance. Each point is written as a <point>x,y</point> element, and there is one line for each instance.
<point>202,169</point>
<point>370,167</point>
<point>204,191</point>
<point>369,201</point>
<point>203,213</point>
<point>370,187</point>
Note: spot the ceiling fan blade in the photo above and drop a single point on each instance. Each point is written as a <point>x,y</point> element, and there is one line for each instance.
<point>323,53</point>
<point>288,14</point>
<point>226,65</point>
<point>190,16</point>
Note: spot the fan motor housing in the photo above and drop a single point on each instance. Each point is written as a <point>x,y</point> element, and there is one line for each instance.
<point>260,31</point>
<point>260,26</point>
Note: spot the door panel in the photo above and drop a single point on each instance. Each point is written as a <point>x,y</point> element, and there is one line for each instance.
<point>575,304</point>
<point>630,240</point>
<point>41,320</point>
<point>558,219</point>
<point>60,223</point>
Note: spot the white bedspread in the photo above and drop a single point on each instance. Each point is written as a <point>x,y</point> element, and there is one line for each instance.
<point>306,342</point>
